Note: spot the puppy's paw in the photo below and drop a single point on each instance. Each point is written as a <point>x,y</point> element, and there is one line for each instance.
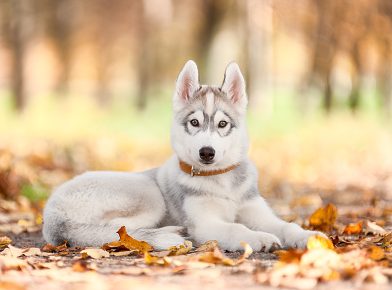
<point>300,239</point>
<point>265,242</point>
<point>167,240</point>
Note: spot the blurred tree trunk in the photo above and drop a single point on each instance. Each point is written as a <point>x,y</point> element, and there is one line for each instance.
<point>58,22</point>
<point>17,42</point>
<point>143,55</point>
<point>213,11</point>
<point>323,53</point>
<point>259,53</point>
<point>355,95</point>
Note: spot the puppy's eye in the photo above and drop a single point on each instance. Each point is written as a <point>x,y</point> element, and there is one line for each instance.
<point>222,124</point>
<point>195,123</point>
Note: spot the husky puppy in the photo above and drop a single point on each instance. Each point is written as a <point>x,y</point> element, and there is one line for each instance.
<point>209,187</point>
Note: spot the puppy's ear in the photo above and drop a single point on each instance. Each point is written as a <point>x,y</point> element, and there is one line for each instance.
<point>187,83</point>
<point>234,85</point>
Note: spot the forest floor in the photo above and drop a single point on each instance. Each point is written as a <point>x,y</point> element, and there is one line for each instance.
<point>361,256</point>
<point>337,178</point>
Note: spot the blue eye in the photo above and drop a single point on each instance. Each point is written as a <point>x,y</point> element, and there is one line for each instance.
<point>222,124</point>
<point>194,123</point>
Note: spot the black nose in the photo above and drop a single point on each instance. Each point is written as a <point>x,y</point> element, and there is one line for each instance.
<point>207,153</point>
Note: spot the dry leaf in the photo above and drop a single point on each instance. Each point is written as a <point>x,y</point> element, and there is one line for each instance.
<point>319,242</point>
<point>180,249</point>
<point>376,253</point>
<point>4,241</point>
<point>128,243</point>
<point>94,253</point>
<point>153,260</point>
<point>207,246</point>
<point>217,257</point>
<point>12,263</point>
<point>8,285</point>
<point>290,256</point>
<point>80,266</point>
<point>55,249</point>
<point>123,253</point>
<point>353,229</point>
<point>371,227</point>
<point>324,218</point>
<point>12,251</point>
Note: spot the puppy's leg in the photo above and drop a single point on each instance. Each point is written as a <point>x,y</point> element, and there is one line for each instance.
<point>257,215</point>
<point>210,219</point>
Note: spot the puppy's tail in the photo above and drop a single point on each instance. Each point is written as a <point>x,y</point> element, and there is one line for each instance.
<point>90,235</point>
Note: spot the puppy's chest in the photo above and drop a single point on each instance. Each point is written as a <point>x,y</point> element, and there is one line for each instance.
<point>222,188</point>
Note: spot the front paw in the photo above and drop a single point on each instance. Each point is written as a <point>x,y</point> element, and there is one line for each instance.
<point>300,240</point>
<point>265,242</point>
<point>296,237</point>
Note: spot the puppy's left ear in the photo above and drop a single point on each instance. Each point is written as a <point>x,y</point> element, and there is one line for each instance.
<point>234,86</point>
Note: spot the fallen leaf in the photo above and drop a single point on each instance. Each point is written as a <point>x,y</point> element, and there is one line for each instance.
<point>8,285</point>
<point>153,260</point>
<point>324,218</point>
<point>217,257</point>
<point>80,266</point>
<point>128,243</point>
<point>371,227</point>
<point>4,241</point>
<point>180,249</point>
<point>353,229</point>
<point>123,253</point>
<point>247,252</point>
<point>207,246</point>
<point>55,249</point>
<point>319,242</point>
<point>12,263</point>
<point>290,256</point>
<point>387,240</point>
<point>376,253</point>
<point>12,251</point>
<point>95,253</point>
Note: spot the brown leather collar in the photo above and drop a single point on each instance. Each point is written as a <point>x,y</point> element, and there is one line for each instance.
<point>189,169</point>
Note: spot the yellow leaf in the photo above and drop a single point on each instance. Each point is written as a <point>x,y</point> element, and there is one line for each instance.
<point>319,242</point>
<point>4,241</point>
<point>94,253</point>
<point>153,260</point>
<point>217,257</point>
<point>376,253</point>
<point>324,218</point>
<point>207,246</point>
<point>180,249</point>
<point>353,229</point>
<point>126,242</point>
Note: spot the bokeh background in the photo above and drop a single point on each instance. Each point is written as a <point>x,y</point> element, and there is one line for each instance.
<point>87,85</point>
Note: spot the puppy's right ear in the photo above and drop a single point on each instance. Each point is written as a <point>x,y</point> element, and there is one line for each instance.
<point>187,83</point>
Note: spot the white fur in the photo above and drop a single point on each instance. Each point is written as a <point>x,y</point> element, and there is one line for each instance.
<point>155,205</point>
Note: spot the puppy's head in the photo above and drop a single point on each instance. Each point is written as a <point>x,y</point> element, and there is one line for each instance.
<point>208,129</point>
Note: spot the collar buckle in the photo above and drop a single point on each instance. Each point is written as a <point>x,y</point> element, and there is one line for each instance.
<point>194,171</point>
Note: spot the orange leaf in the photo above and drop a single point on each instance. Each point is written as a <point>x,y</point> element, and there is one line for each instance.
<point>290,256</point>
<point>126,242</point>
<point>324,218</point>
<point>319,242</point>
<point>353,229</point>
<point>376,253</point>
<point>217,257</point>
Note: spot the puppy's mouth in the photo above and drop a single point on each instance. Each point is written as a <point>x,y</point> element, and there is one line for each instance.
<point>204,162</point>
